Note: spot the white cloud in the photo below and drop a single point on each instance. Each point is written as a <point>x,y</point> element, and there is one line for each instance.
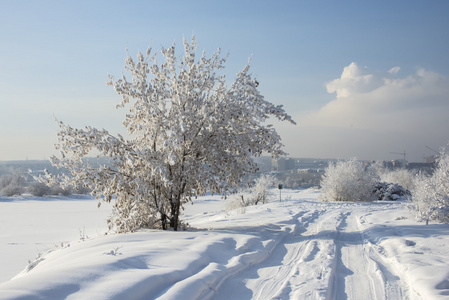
<point>375,114</point>
<point>353,80</point>
<point>394,70</point>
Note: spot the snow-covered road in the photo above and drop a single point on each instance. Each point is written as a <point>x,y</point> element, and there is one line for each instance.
<point>299,248</point>
<point>324,256</point>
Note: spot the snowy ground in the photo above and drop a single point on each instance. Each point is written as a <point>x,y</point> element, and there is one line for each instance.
<point>299,248</point>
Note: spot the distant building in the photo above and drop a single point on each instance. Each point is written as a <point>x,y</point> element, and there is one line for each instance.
<point>314,164</point>
<point>427,167</point>
<point>424,167</point>
<point>284,164</point>
<point>393,164</point>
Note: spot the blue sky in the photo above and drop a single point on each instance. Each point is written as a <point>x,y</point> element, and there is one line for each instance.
<point>361,78</point>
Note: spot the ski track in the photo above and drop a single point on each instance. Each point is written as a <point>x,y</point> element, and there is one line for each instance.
<point>325,249</point>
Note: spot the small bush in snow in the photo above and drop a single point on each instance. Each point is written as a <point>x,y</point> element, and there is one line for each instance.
<point>430,195</point>
<point>348,180</point>
<point>38,189</point>
<point>402,177</point>
<point>12,190</point>
<point>390,191</point>
<point>259,193</point>
<point>239,201</point>
<point>12,185</point>
<point>57,189</point>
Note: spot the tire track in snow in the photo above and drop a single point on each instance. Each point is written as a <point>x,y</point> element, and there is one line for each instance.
<point>358,270</point>
<point>303,258</point>
<point>353,269</point>
<point>394,288</point>
<point>325,256</point>
<point>241,262</point>
<point>313,265</point>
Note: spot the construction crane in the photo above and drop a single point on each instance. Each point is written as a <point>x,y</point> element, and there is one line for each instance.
<point>401,153</point>
<point>433,150</point>
<point>433,157</point>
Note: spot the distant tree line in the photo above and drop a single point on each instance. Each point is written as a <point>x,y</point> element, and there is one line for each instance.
<point>17,184</point>
<point>17,178</point>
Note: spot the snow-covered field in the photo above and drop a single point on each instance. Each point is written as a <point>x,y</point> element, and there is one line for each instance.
<point>299,248</point>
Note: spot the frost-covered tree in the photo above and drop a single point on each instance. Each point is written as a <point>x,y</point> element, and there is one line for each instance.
<point>189,133</point>
<point>430,194</point>
<point>260,190</point>
<point>348,180</point>
<point>12,184</point>
<point>402,177</point>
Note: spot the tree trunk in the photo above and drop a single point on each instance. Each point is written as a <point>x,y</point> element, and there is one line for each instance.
<point>176,206</point>
<point>164,221</point>
<point>174,222</point>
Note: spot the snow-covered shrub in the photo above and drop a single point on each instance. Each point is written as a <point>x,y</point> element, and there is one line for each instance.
<point>379,167</point>
<point>238,201</point>
<point>60,190</point>
<point>12,190</point>
<point>390,191</point>
<point>11,179</point>
<point>189,134</point>
<point>348,180</point>
<point>404,178</point>
<point>12,185</point>
<point>4,181</point>
<point>38,189</point>
<point>259,193</point>
<point>430,194</point>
